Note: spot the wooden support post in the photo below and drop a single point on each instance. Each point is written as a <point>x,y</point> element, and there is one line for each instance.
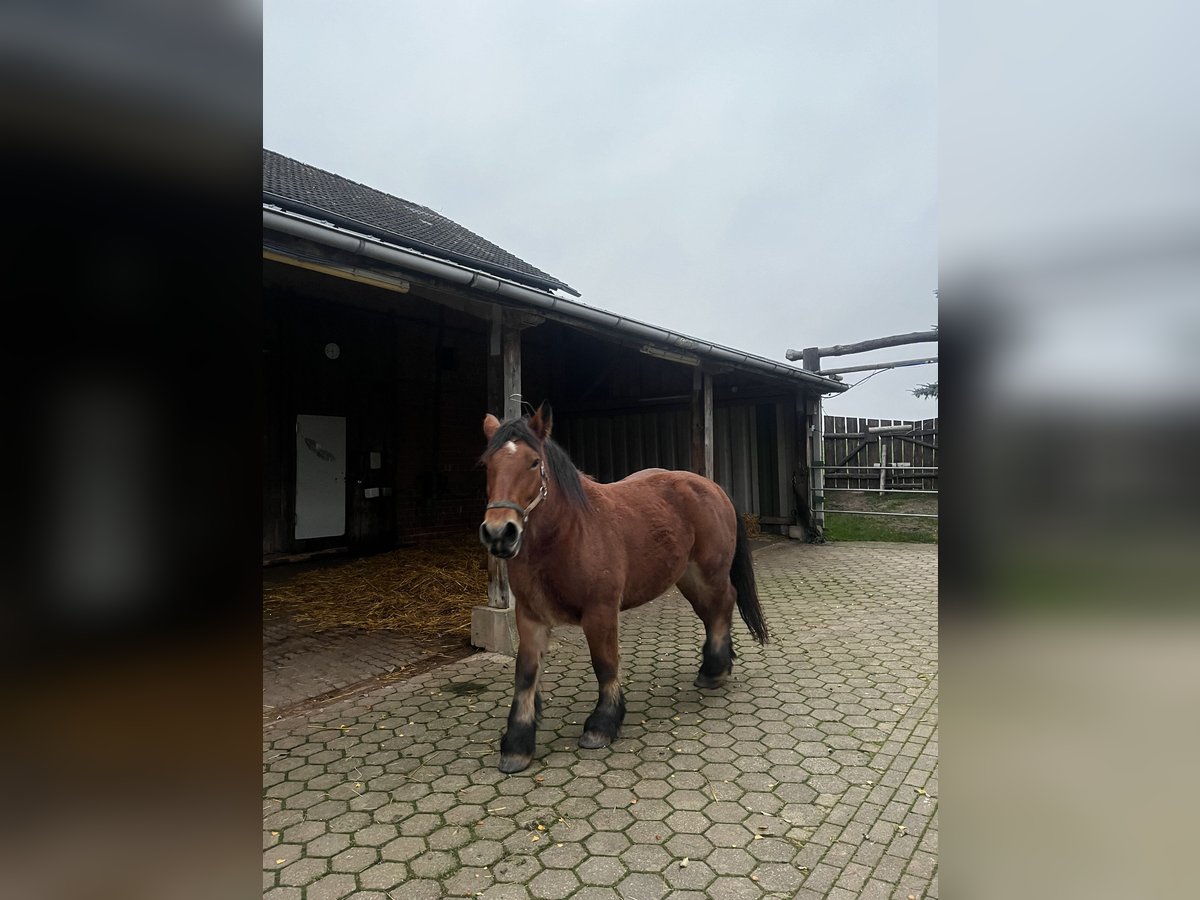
<point>495,368</point>
<point>702,422</point>
<point>499,591</point>
<point>801,473</point>
<point>709,470</point>
<point>816,449</point>
<point>504,389</point>
<point>511,351</point>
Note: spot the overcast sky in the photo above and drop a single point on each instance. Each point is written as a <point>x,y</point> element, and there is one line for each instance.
<point>762,175</point>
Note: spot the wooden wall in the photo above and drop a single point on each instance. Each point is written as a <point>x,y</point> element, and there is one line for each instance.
<point>411,381</point>
<point>618,410</point>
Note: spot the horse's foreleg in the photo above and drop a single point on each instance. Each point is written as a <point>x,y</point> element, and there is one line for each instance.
<point>605,721</point>
<point>518,743</point>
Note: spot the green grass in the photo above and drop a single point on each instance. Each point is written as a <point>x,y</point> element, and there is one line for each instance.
<point>881,528</point>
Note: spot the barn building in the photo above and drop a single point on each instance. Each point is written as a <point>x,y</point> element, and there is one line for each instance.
<point>390,330</point>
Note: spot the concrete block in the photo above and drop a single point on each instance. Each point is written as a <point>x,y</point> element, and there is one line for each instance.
<point>796,533</point>
<point>494,629</point>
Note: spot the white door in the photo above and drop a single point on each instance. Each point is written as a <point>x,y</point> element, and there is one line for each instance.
<point>320,476</point>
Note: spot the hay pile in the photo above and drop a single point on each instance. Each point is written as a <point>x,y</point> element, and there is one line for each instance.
<point>753,527</point>
<point>425,591</point>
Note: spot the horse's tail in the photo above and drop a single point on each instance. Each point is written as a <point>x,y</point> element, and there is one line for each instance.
<point>741,574</point>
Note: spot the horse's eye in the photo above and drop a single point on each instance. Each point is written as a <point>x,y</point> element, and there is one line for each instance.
<point>535,464</point>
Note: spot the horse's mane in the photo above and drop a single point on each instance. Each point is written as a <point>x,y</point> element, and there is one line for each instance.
<point>562,471</point>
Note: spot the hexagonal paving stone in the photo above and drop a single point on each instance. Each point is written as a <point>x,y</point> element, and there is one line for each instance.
<point>688,822</point>
<point>327,845</point>
<point>731,861</point>
<point>518,868</point>
<point>566,856</point>
<point>728,835</point>
<point>554,884</point>
<point>350,822</point>
<point>600,870</point>
<point>303,871</point>
<point>643,886</point>
<point>331,887</point>
<point>383,875</point>
<point>728,812</point>
<point>418,825</point>
<point>729,887</point>
<point>375,835</point>
<point>403,849</point>
<point>609,844</point>
<point>646,858</point>
<point>696,846</point>
<point>433,864</point>
<point>467,882</point>
<point>696,875</point>
<point>355,859</point>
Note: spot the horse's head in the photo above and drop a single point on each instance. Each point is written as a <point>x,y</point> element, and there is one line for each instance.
<point>516,479</point>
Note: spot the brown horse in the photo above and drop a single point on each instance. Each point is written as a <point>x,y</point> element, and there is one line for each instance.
<point>579,552</point>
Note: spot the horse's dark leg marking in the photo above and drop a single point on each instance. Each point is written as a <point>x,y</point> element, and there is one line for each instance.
<point>602,725</point>
<point>717,661</point>
<point>519,741</point>
<point>713,603</point>
<point>717,655</point>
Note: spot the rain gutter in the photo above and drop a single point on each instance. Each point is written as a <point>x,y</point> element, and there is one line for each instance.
<point>339,238</point>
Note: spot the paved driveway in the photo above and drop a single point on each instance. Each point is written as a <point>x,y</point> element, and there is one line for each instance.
<point>812,773</point>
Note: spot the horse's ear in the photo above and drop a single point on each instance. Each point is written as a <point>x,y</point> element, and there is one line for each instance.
<point>542,422</point>
<point>490,426</point>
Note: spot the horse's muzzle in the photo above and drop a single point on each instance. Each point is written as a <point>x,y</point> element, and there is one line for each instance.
<point>503,541</point>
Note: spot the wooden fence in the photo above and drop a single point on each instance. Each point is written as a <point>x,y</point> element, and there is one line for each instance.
<point>853,454</point>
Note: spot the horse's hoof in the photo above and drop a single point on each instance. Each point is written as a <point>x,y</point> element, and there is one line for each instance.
<point>594,740</point>
<point>711,681</point>
<point>513,763</point>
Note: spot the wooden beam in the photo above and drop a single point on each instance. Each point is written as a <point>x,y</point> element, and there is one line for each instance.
<point>894,340</point>
<point>897,364</point>
<point>360,274</point>
<point>853,453</point>
<point>905,437</point>
<point>520,319</point>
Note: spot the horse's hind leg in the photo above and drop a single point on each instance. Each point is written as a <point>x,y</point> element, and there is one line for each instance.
<point>714,605</point>
<point>602,725</point>
<point>519,741</point>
